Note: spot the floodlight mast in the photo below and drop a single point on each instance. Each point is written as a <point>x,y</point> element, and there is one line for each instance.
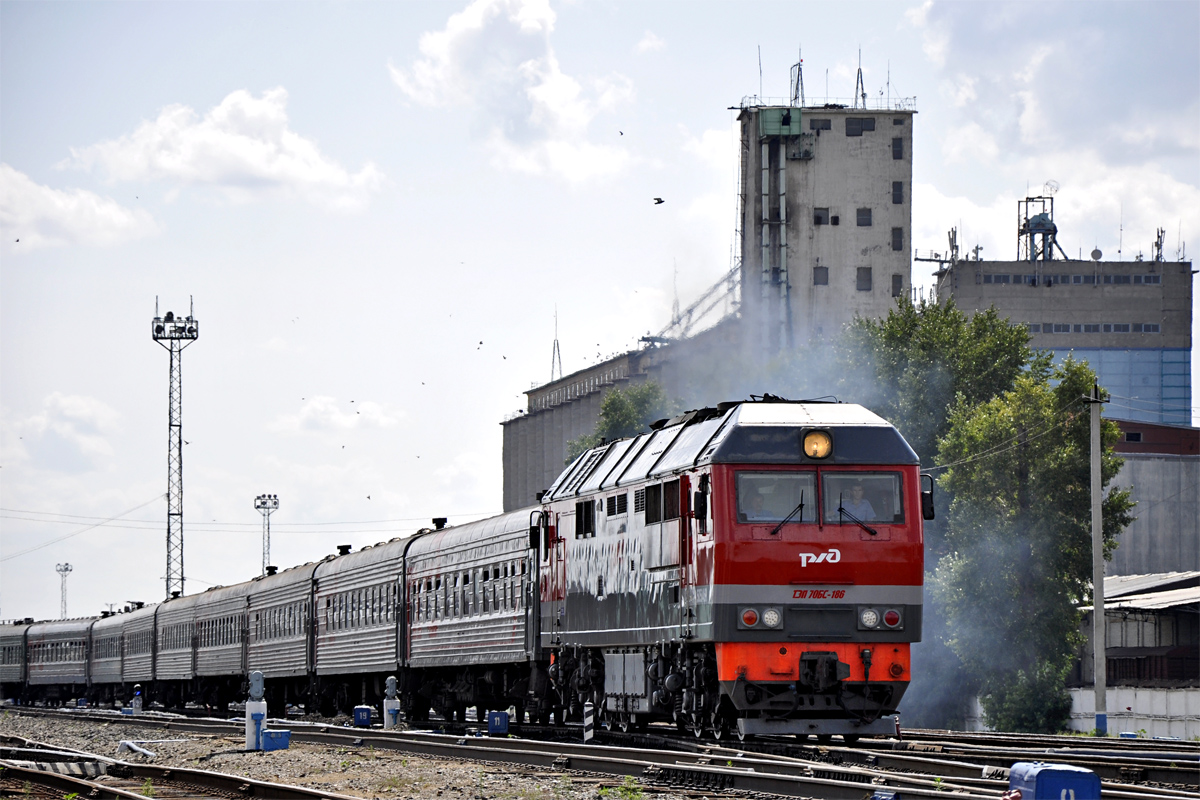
<point>175,333</point>
<point>266,504</point>
<point>63,570</point>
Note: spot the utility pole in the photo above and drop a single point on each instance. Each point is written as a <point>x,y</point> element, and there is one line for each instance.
<point>265,504</point>
<point>174,334</point>
<point>1099,647</point>
<point>63,570</point>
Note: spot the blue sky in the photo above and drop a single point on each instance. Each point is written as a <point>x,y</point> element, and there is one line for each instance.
<point>378,208</point>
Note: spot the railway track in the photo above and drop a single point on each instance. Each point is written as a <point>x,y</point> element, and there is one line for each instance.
<point>775,766</point>
<point>85,775</point>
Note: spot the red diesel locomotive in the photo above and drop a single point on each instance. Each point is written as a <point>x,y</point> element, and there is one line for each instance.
<point>755,568</point>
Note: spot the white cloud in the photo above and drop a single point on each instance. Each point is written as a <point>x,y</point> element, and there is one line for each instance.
<point>495,56</point>
<point>69,434</point>
<point>714,147</point>
<point>649,43</point>
<point>935,38</point>
<point>1094,201</point>
<point>330,414</point>
<point>243,147</point>
<point>43,217</point>
<point>969,143</point>
<point>960,91</point>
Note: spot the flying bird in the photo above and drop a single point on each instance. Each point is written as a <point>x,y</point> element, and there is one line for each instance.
<point>658,201</point>
<point>621,132</point>
<point>368,497</point>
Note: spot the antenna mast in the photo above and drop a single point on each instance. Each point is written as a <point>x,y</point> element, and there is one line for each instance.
<point>556,355</point>
<point>63,570</point>
<point>798,80</point>
<point>265,504</point>
<point>860,89</point>
<point>174,334</point>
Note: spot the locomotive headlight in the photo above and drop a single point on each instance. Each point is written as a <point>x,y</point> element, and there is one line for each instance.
<point>771,618</point>
<point>818,444</point>
<point>891,618</point>
<point>749,617</point>
<point>868,617</point>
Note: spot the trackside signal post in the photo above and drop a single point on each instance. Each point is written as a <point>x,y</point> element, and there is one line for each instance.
<point>1099,648</point>
<point>175,333</point>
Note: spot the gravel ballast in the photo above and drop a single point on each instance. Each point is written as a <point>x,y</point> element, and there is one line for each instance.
<point>356,771</point>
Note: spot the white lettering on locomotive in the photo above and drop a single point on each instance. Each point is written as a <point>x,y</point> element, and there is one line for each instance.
<point>832,557</point>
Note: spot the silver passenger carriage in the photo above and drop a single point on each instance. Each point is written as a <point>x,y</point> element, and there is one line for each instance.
<point>279,624</point>
<point>12,659</point>
<point>356,598</point>
<point>57,654</point>
<point>107,661</point>
<point>138,646</point>
<point>220,643</point>
<point>470,616</point>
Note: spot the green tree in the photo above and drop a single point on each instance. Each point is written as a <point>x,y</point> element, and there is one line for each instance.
<point>1019,539</point>
<point>911,366</point>
<point>623,413</point>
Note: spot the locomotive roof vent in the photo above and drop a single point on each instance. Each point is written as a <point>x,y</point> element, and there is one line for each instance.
<point>344,549</point>
<point>271,570</point>
<point>439,523</point>
<point>175,594</point>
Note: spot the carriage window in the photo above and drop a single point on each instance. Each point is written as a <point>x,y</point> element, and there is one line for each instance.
<point>771,496</point>
<point>867,496</point>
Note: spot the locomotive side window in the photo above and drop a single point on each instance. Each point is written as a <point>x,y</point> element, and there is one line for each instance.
<point>670,491</point>
<point>653,503</point>
<point>585,520</point>
<point>772,496</point>
<point>868,496</point>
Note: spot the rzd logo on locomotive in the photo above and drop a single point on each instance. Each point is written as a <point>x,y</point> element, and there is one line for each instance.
<point>832,557</point>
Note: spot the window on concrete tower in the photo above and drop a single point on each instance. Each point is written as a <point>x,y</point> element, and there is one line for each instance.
<point>897,148</point>
<point>820,276</point>
<point>820,216</point>
<point>897,192</point>
<point>897,285</point>
<point>864,218</point>
<point>855,126</point>
<point>820,124</point>
<point>897,239</point>
<point>864,279</point>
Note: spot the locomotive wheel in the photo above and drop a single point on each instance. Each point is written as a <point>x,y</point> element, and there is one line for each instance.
<point>718,725</point>
<point>623,724</point>
<point>697,724</point>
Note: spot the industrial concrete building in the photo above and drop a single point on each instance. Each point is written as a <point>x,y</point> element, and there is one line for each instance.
<point>825,218</point>
<point>1162,470</point>
<point>1130,320</point>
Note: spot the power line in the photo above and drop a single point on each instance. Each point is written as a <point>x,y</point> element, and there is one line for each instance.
<point>1012,443</point>
<point>82,530</point>
<point>140,524</point>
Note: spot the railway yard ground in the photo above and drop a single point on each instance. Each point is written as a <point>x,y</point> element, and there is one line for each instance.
<point>330,760</point>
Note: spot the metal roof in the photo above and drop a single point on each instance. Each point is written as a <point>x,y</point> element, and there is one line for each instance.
<point>1124,585</point>
<point>1153,601</point>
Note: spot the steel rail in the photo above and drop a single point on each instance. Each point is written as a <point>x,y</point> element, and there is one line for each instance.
<point>969,764</point>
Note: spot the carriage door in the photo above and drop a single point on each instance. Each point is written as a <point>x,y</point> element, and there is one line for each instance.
<point>538,527</point>
<point>554,583</point>
<point>687,557</point>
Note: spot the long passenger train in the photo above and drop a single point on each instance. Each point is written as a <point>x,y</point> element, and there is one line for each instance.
<point>754,568</point>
